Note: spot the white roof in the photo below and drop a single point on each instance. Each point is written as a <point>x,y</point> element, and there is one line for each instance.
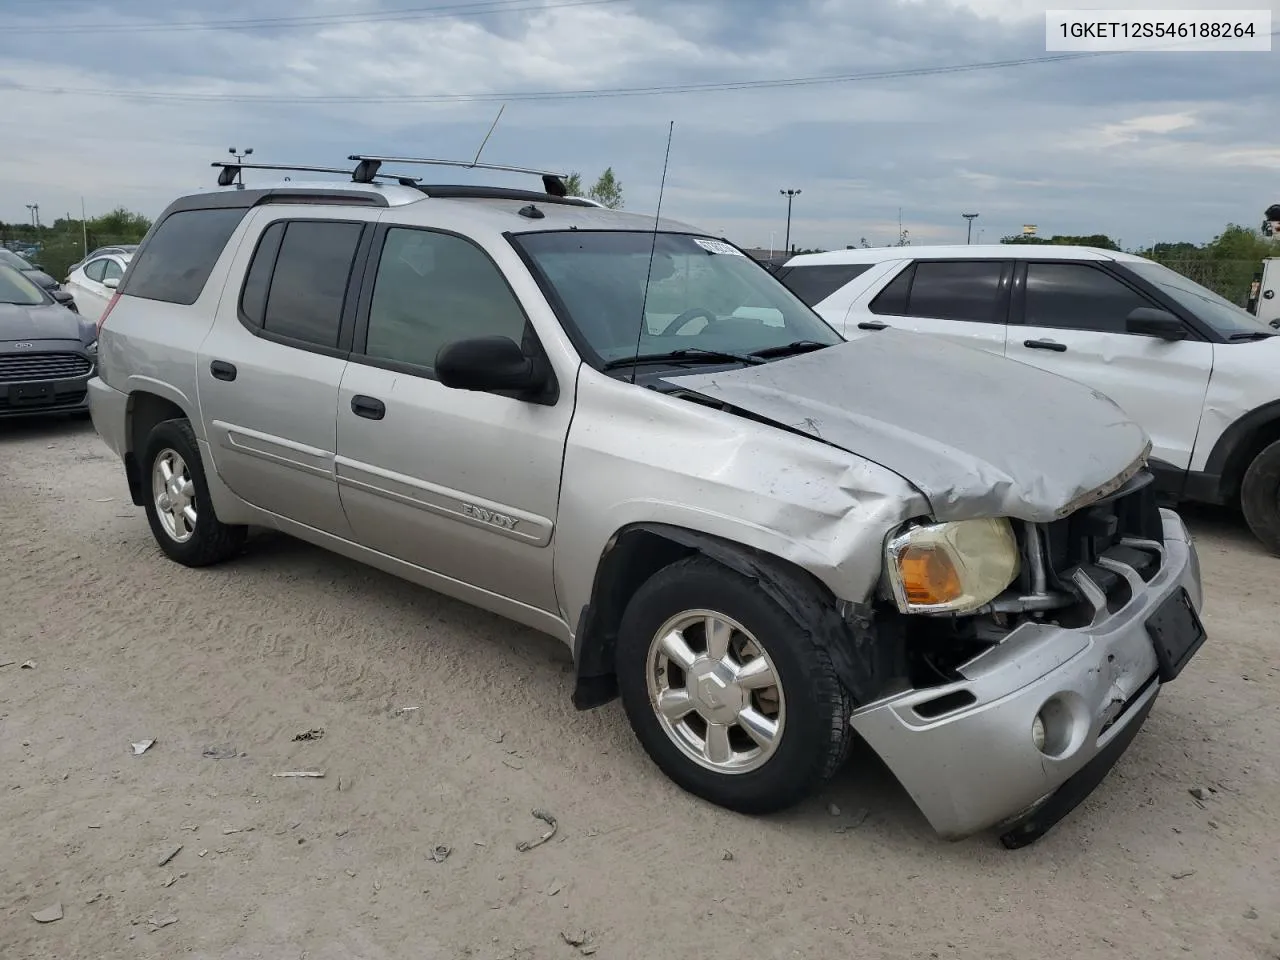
<point>985,251</point>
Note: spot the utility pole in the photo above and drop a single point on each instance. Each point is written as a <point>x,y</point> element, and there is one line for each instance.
<point>84,228</point>
<point>790,195</point>
<point>970,217</point>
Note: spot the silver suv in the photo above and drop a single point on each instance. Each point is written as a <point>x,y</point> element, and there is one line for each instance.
<point>630,436</point>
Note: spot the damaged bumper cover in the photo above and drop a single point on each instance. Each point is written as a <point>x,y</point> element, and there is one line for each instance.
<point>966,752</point>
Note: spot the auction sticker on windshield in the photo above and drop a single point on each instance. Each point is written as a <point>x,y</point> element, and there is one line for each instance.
<point>718,246</point>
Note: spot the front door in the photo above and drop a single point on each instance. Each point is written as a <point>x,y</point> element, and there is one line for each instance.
<point>461,483</point>
<point>1074,317</point>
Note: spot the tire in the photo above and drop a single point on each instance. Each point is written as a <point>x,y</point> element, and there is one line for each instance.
<point>1260,497</point>
<point>811,715</point>
<point>207,540</point>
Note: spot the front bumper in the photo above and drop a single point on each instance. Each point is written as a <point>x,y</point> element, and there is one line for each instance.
<point>976,766</point>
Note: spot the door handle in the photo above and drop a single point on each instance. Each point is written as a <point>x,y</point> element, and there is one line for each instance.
<point>873,325</point>
<point>223,370</point>
<point>1045,345</point>
<point>371,408</point>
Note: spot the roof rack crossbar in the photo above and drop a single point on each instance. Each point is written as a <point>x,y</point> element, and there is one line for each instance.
<point>227,175</point>
<point>367,168</point>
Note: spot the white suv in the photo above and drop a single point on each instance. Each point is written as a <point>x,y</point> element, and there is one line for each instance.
<point>1196,371</point>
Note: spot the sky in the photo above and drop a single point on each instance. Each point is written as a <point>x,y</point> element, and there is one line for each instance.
<point>127,102</point>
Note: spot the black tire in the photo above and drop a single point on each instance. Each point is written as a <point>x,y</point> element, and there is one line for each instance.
<point>1260,497</point>
<point>816,735</point>
<point>211,540</point>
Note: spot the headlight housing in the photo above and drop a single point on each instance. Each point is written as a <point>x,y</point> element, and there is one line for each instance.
<point>951,567</point>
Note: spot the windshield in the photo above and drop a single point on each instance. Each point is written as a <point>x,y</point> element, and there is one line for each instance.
<point>17,289</point>
<point>13,260</point>
<point>1218,312</point>
<point>704,295</point>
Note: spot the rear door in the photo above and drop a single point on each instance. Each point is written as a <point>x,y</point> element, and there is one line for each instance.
<point>87,286</point>
<point>1069,318</point>
<point>270,367</point>
<point>964,301</point>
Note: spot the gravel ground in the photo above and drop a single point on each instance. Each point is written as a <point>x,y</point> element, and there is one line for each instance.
<point>444,727</point>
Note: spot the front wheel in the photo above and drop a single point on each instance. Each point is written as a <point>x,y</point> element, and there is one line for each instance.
<point>1260,497</point>
<point>178,505</point>
<point>727,691</point>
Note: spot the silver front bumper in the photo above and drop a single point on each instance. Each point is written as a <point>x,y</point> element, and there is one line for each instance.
<point>976,766</point>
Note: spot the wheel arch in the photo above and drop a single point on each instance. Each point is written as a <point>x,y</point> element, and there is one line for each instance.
<point>145,409</point>
<point>1239,444</point>
<point>638,551</point>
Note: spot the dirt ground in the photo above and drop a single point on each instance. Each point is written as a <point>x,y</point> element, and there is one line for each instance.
<point>446,727</point>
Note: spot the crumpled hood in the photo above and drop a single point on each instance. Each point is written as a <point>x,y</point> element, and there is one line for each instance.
<point>48,322</point>
<point>977,434</point>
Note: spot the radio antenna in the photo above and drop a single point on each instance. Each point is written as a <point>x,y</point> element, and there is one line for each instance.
<point>653,248</point>
<point>492,127</point>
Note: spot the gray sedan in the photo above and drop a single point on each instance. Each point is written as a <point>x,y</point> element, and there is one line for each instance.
<point>47,352</point>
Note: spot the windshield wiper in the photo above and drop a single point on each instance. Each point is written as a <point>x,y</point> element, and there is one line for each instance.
<point>789,349</point>
<point>688,354</point>
<point>1255,335</point>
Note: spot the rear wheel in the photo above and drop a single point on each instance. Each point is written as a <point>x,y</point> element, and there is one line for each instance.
<point>727,691</point>
<point>177,499</point>
<point>1260,497</point>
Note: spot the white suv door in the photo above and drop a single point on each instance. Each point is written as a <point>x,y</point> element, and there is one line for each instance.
<point>1071,318</point>
<point>964,301</point>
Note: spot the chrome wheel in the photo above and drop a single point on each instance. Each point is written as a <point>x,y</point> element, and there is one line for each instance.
<point>174,494</point>
<point>715,692</point>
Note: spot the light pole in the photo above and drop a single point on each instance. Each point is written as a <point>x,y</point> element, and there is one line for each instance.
<point>790,195</point>
<point>240,156</point>
<point>970,217</point>
<point>35,214</point>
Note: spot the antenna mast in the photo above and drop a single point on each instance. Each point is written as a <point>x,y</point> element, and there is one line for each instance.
<point>653,248</point>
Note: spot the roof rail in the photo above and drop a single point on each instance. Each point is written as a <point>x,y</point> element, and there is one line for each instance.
<point>367,168</point>
<point>230,169</point>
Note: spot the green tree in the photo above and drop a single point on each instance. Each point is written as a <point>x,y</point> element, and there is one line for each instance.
<point>1100,240</point>
<point>573,184</point>
<point>607,190</point>
<point>120,223</point>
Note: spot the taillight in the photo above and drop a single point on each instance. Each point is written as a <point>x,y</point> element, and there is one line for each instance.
<point>103,319</point>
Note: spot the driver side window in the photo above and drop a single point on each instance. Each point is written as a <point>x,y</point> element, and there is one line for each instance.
<point>433,289</point>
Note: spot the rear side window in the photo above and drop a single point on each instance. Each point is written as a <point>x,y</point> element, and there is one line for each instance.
<point>180,255</point>
<point>967,290</point>
<point>112,271</point>
<point>308,286</point>
<point>815,283</point>
<point>253,299</point>
<point>96,270</point>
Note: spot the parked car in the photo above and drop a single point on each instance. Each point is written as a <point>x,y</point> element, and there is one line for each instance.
<point>94,284</point>
<point>47,352</point>
<point>128,248</point>
<point>34,273</point>
<point>1196,371</point>
<point>632,437</point>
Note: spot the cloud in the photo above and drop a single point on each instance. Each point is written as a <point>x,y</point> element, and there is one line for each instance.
<point>1142,145</point>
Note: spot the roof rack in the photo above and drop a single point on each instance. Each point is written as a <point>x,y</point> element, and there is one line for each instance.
<point>230,169</point>
<point>367,169</point>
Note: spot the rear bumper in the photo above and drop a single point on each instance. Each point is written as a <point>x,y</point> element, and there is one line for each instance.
<point>977,766</point>
<point>109,409</point>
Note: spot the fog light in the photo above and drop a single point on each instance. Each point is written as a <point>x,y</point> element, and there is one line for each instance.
<point>1037,733</point>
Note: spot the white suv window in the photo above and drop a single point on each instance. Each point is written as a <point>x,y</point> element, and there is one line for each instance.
<point>1074,296</point>
<point>967,290</point>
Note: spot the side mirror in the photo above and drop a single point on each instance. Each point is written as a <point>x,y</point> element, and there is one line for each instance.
<point>489,365</point>
<point>1151,322</point>
<point>64,298</point>
<point>111,283</point>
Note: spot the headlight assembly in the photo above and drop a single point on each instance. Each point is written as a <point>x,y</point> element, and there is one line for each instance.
<point>951,567</point>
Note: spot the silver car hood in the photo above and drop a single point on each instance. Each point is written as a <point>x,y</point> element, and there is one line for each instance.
<point>977,434</point>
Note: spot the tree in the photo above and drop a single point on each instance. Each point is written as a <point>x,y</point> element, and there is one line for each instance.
<point>120,223</point>
<point>608,190</point>
<point>573,184</point>
<point>1099,240</point>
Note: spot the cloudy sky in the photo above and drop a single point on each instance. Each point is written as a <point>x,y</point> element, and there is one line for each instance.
<point>126,102</point>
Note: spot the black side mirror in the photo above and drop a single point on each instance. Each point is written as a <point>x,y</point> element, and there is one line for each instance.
<point>1152,322</point>
<point>490,365</point>
<point>63,297</point>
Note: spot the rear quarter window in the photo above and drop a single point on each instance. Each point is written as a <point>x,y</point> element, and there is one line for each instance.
<point>815,283</point>
<point>177,259</point>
